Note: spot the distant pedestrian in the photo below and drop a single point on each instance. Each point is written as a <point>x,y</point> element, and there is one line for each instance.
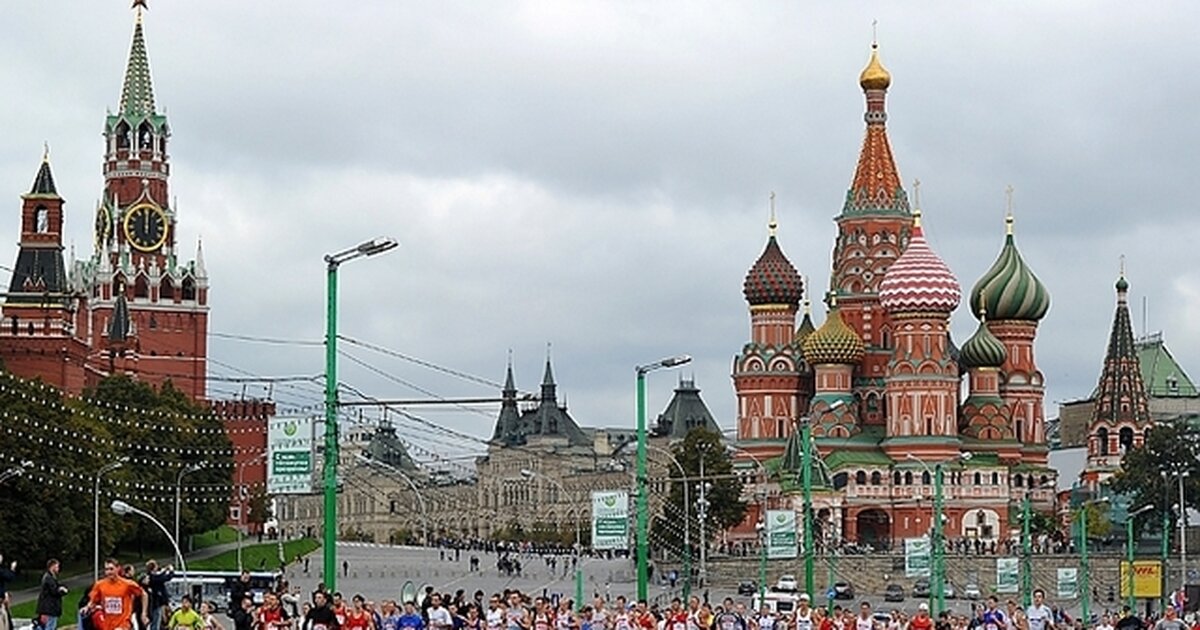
<point>306,565</point>
<point>49,601</point>
<point>345,568</point>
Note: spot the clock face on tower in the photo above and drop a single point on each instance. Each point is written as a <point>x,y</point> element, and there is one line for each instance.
<point>103,226</point>
<point>146,227</point>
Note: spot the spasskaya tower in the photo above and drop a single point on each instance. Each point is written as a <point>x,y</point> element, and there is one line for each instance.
<point>133,307</point>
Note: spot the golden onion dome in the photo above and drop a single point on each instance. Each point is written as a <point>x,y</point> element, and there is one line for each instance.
<point>834,341</point>
<point>875,76</point>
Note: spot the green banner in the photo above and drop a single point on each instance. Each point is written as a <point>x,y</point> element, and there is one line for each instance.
<point>781,534</point>
<point>916,557</point>
<point>1068,583</point>
<point>1008,575</point>
<point>610,519</point>
<point>290,444</point>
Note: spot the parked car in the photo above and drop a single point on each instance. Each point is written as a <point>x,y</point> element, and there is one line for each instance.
<point>948,591</point>
<point>921,588</point>
<point>971,591</point>
<point>786,583</point>
<point>747,587</point>
<point>893,593</point>
<point>843,590</point>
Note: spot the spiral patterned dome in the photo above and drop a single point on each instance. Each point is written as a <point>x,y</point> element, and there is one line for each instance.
<point>983,349</point>
<point>919,281</point>
<point>834,341</point>
<point>773,279</point>
<point>1010,290</point>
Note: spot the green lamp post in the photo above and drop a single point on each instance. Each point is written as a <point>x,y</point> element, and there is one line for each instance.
<point>1131,601</point>
<point>332,262</point>
<point>643,499</point>
<point>937,549</point>
<point>1085,582</point>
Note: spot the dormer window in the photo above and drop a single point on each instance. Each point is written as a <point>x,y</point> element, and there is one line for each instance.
<point>41,220</point>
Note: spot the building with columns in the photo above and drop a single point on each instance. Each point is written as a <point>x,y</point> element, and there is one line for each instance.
<point>880,381</point>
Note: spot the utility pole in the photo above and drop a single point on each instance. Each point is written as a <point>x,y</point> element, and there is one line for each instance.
<point>1026,552</point>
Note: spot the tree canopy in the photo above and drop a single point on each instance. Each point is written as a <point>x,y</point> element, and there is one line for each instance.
<point>62,442</point>
<point>1150,474</point>
<point>726,507</point>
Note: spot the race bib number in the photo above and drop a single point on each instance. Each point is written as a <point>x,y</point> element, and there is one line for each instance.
<point>112,605</point>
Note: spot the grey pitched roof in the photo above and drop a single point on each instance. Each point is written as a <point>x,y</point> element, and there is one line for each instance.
<point>43,183</point>
<point>386,447</point>
<point>685,412</point>
<point>515,426</point>
<point>119,325</point>
<point>38,271</point>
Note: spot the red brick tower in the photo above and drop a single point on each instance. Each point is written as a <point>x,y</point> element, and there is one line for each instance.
<point>1121,414</point>
<point>38,335</point>
<point>165,333</point>
<point>873,230</point>
<point>767,375</point>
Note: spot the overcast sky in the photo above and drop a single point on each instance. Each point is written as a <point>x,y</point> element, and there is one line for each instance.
<point>596,175</point>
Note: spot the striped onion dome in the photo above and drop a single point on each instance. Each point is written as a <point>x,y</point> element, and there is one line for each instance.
<point>834,341</point>
<point>1010,290</point>
<point>773,279</point>
<point>983,349</point>
<point>919,281</point>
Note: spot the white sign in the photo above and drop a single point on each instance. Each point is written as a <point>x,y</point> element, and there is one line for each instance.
<point>290,455</point>
<point>781,534</point>
<point>916,557</point>
<point>1068,583</point>
<point>1008,574</point>
<point>610,519</point>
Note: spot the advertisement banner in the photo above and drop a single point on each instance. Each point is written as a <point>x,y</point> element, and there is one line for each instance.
<point>290,455</point>
<point>1008,575</point>
<point>1147,579</point>
<point>916,557</point>
<point>781,534</point>
<point>610,519</point>
<point>1068,583</point>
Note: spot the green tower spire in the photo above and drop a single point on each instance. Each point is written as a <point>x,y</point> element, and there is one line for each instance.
<point>137,95</point>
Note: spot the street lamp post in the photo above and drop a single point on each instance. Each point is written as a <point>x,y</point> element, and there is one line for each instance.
<point>1085,584</point>
<point>332,262</point>
<point>806,455</point>
<point>687,527</point>
<point>411,484</point>
<point>243,504</point>
<point>1027,545</point>
<point>104,470</point>
<point>937,593</point>
<point>122,508</point>
<point>1182,531</point>
<point>187,470</point>
<point>1131,601</point>
<point>643,500</point>
<point>532,474</point>
<point>762,522</point>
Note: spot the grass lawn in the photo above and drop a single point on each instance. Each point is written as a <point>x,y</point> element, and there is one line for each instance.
<point>219,536</point>
<point>25,610</point>
<point>256,557</point>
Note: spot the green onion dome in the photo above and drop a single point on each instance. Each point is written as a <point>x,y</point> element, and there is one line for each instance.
<point>834,341</point>
<point>1012,290</point>
<point>983,349</point>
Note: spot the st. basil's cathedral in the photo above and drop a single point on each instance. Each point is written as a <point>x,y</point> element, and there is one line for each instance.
<point>881,380</point>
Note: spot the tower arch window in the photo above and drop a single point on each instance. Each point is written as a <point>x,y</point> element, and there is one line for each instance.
<point>189,289</point>
<point>860,477</point>
<point>876,478</point>
<point>896,478</point>
<point>122,133</point>
<point>978,479</point>
<point>908,478</point>
<point>995,479</point>
<point>1018,481</point>
<point>1125,438</point>
<point>166,291</point>
<point>141,287</point>
<point>41,220</point>
<point>1102,441</point>
<point>925,478</point>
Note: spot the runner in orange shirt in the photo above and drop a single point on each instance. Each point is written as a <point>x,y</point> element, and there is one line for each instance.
<point>113,597</point>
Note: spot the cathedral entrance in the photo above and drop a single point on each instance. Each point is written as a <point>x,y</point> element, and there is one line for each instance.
<point>874,528</point>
